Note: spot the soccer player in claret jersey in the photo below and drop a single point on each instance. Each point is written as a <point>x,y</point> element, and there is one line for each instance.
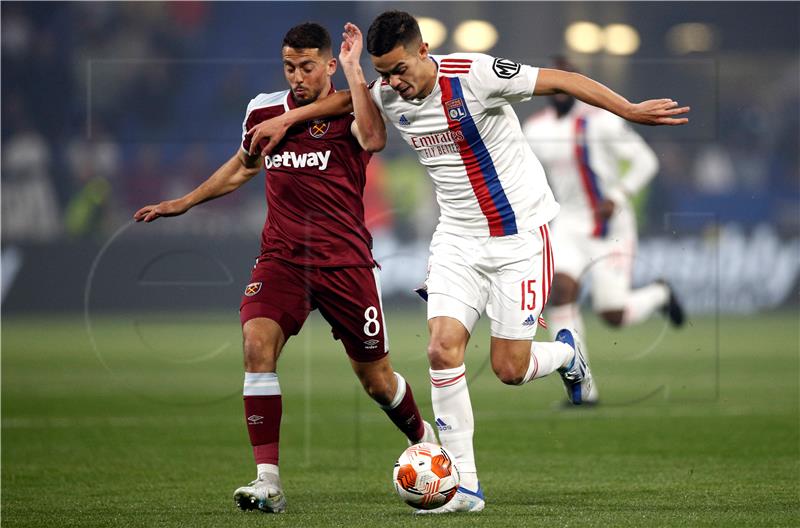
<point>315,254</point>
<point>582,149</point>
<point>491,250</point>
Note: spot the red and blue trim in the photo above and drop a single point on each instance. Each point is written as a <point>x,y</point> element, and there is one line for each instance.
<point>480,168</point>
<point>548,264</point>
<point>588,176</point>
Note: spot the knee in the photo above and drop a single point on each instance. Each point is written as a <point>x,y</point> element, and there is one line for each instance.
<point>443,353</point>
<point>260,355</point>
<point>564,291</point>
<point>613,318</point>
<point>508,373</point>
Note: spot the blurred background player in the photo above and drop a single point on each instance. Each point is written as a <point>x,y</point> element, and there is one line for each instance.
<point>595,163</point>
<point>315,254</point>
<point>491,249</point>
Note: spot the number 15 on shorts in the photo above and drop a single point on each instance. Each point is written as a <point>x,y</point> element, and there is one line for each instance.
<point>528,298</point>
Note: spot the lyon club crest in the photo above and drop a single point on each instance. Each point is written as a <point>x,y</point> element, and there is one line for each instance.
<point>318,128</point>
<point>455,109</point>
<point>252,289</point>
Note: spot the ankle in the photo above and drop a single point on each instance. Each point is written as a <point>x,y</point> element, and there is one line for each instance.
<point>267,469</point>
<point>469,480</point>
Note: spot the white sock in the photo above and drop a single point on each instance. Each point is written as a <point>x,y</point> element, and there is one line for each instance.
<point>546,358</point>
<point>468,480</point>
<point>564,316</point>
<point>567,316</point>
<point>262,469</point>
<point>453,411</point>
<point>643,302</point>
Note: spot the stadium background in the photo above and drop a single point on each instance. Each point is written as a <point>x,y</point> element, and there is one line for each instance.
<point>109,106</point>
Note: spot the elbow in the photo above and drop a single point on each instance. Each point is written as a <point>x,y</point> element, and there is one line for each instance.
<point>375,146</point>
<point>375,142</point>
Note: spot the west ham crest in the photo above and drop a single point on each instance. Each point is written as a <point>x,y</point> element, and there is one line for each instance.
<point>318,128</point>
<point>252,289</point>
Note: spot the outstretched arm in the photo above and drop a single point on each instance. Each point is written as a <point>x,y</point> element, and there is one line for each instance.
<point>651,112</point>
<point>369,128</point>
<point>274,129</point>
<point>230,176</point>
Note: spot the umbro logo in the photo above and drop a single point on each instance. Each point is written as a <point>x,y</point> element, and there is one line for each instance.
<point>255,419</point>
<point>530,321</point>
<point>441,425</point>
<point>404,121</point>
<point>371,344</point>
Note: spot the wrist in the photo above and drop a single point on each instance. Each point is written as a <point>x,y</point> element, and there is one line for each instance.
<point>186,202</point>
<point>628,111</point>
<point>352,69</point>
<point>287,119</point>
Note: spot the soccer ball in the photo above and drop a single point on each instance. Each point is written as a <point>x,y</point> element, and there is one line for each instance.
<point>425,476</point>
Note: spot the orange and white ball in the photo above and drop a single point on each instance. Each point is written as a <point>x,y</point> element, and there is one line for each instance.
<point>425,476</point>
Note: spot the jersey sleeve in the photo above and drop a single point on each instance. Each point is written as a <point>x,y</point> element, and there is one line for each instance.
<point>499,81</point>
<point>246,140</point>
<point>375,93</point>
<point>260,108</point>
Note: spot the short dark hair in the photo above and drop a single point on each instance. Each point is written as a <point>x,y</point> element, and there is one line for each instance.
<point>390,29</point>
<point>308,35</point>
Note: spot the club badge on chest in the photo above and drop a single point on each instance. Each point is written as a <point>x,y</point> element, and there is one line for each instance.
<point>318,128</point>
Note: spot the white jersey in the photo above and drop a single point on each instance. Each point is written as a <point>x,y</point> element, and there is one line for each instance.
<point>487,179</point>
<point>582,152</point>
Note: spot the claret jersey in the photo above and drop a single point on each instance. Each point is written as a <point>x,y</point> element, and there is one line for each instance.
<point>487,179</point>
<point>314,186</point>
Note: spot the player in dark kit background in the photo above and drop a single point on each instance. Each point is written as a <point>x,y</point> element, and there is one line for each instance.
<point>315,254</point>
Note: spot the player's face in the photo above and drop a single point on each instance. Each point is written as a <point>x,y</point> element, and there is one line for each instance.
<point>308,73</point>
<point>409,72</point>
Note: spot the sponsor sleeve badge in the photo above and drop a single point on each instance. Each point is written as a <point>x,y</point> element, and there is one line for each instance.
<point>506,69</point>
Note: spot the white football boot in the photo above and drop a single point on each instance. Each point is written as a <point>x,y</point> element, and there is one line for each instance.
<point>576,376</point>
<point>265,494</point>
<point>428,437</point>
<point>465,500</point>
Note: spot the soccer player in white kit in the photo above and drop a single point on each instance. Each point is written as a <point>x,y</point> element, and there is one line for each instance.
<point>491,249</point>
<point>583,150</point>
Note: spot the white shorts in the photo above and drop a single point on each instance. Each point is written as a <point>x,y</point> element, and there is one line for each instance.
<point>607,262</point>
<point>509,277</point>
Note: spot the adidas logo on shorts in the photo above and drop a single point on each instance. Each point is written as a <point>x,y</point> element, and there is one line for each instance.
<point>530,321</point>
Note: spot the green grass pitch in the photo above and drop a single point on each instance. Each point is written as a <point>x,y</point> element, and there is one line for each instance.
<point>143,426</point>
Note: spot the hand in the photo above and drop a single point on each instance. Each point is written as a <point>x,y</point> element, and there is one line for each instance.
<point>272,129</point>
<point>657,112</point>
<point>148,213</point>
<point>352,45</point>
<point>604,210</point>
